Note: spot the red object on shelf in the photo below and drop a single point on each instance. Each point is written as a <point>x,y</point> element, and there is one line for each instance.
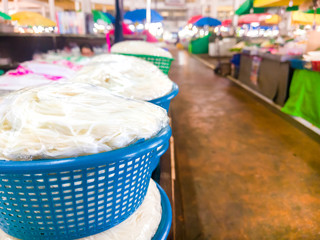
<point>316,66</point>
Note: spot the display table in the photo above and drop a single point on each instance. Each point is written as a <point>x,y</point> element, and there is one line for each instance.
<point>272,75</point>
<point>304,97</point>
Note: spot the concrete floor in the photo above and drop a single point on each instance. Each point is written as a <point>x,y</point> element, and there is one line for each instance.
<point>244,172</point>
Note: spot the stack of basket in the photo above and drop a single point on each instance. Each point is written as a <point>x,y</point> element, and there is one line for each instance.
<point>159,57</point>
<point>77,197</point>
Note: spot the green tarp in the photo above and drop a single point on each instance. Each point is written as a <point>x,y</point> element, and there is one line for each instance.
<point>304,97</point>
<point>246,7</point>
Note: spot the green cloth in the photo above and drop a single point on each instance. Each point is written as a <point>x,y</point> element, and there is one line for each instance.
<point>99,15</point>
<point>246,7</point>
<point>304,96</point>
<point>5,16</point>
<point>312,11</point>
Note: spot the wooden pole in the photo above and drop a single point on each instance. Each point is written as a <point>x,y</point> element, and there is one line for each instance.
<point>52,10</point>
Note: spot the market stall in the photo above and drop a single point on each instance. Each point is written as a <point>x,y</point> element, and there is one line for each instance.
<point>274,66</point>
<point>304,95</point>
<point>203,31</point>
<point>303,98</point>
<point>267,74</point>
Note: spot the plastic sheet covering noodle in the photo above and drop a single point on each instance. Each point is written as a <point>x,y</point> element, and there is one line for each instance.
<point>125,76</point>
<point>140,47</point>
<point>61,120</point>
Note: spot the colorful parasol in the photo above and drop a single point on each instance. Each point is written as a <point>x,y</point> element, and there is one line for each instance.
<point>110,16</point>
<point>227,23</point>
<point>276,3</point>
<point>98,15</point>
<point>247,8</point>
<point>252,18</point>
<point>271,20</point>
<point>32,19</point>
<point>194,19</point>
<point>207,21</point>
<point>140,15</point>
<point>5,16</point>
<point>302,18</point>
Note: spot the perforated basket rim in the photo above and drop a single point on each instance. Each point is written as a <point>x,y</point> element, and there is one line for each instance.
<point>145,55</point>
<point>174,92</point>
<point>87,161</point>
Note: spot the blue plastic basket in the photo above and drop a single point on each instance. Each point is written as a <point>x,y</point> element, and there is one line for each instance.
<point>77,197</point>
<point>166,219</point>
<point>164,101</point>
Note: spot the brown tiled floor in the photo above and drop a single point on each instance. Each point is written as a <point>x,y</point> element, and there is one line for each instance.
<point>244,172</point>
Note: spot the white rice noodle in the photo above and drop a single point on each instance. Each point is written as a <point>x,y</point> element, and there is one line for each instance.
<point>61,120</point>
<point>140,47</point>
<point>126,76</point>
<point>141,225</point>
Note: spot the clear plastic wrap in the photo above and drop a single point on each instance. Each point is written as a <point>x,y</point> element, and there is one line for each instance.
<point>126,76</point>
<point>141,225</point>
<point>61,120</point>
<point>74,56</point>
<point>140,47</point>
<point>57,68</point>
<point>15,82</point>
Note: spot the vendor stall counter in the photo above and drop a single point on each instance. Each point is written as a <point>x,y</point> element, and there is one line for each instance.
<point>20,47</point>
<point>267,74</point>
